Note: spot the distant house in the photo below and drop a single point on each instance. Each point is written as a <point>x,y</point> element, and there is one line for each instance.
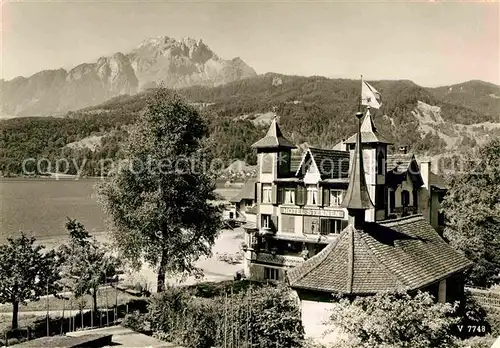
<point>244,201</point>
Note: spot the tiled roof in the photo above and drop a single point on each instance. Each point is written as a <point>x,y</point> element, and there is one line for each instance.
<point>399,162</point>
<point>274,139</point>
<point>253,209</point>
<point>406,252</point>
<point>249,226</point>
<point>247,192</point>
<point>332,164</point>
<point>368,137</point>
<point>369,133</point>
<point>296,158</point>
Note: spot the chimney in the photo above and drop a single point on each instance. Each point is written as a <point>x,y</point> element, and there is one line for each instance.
<point>403,149</point>
<point>425,171</point>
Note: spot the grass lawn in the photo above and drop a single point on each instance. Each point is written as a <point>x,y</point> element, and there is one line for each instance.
<point>107,296</point>
<point>24,320</point>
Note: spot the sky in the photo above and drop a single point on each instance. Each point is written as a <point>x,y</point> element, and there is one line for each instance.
<point>432,43</point>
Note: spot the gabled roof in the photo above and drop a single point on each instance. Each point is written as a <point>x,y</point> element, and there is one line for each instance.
<point>331,164</point>
<point>247,192</point>
<point>406,253</point>
<point>296,160</point>
<point>399,166</point>
<point>274,139</point>
<point>369,132</point>
<point>357,196</point>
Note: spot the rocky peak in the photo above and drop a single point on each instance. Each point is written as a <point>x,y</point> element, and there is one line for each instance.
<point>175,63</point>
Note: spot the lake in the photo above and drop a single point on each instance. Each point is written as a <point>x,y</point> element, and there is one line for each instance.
<point>40,207</point>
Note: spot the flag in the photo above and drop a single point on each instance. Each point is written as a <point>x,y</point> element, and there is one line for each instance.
<point>370,96</point>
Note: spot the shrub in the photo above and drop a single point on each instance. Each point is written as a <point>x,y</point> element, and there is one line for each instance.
<point>395,320</point>
<point>264,317</point>
<point>477,342</point>
<point>135,321</point>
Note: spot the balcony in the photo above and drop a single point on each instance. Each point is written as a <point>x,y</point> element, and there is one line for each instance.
<point>404,211</point>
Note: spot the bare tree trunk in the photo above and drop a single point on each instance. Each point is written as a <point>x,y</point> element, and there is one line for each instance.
<point>15,312</point>
<point>94,298</point>
<point>160,280</point>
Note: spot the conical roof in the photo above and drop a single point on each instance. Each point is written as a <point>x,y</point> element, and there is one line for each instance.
<point>357,196</point>
<point>274,139</point>
<point>369,132</point>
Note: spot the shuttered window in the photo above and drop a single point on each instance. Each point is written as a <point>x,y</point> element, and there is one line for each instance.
<point>332,226</point>
<point>312,195</point>
<point>267,193</point>
<point>335,198</point>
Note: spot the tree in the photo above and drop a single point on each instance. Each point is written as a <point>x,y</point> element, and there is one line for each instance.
<point>472,212</point>
<point>158,200</point>
<point>395,320</point>
<point>26,273</point>
<point>86,262</point>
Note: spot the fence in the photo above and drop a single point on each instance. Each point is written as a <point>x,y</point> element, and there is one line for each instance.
<point>488,298</point>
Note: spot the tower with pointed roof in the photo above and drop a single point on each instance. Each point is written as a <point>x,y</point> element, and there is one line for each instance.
<point>273,161</point>
<point>374,152</point>
<point>357,198</point>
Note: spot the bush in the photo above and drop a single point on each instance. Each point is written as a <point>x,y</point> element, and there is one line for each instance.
<point>136,321</point>
<point>395,320</point>
<point>477,342</point>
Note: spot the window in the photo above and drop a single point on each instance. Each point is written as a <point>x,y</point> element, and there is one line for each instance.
<point>380,197</point>
<point>271,273</point>
<point>267,194</point>
<point>335,198</point>
<point>284,163</point>
<point>440,219</point>
<point>415,198</point>
<point>405,198</point>
<point>392,200</point>
<point>266,221</point>
<point>380,162</point>
<point>289,196</point>
<point>332,226</point>
<point>312,195</point>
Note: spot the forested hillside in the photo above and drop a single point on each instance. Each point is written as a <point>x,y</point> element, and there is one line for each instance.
<point>315,110</point>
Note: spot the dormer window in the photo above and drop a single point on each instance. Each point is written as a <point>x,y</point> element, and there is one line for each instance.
<point>312,195</point>
<point>335,198</point>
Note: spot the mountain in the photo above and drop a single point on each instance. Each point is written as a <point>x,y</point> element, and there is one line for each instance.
<point>314,110</point>
<point>479,96</point>
<point>165,60</point>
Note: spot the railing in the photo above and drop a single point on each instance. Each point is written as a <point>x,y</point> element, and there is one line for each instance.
<point>404,210</point>
<point>280,260</point>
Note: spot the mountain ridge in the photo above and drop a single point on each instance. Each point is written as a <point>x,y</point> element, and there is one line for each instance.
<point>314,110</point>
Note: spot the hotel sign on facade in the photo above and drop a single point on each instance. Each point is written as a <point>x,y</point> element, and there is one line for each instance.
<point>334,213</point>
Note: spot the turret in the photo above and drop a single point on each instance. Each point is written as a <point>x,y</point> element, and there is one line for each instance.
<point>357,199</point>
<point>374,148</point>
